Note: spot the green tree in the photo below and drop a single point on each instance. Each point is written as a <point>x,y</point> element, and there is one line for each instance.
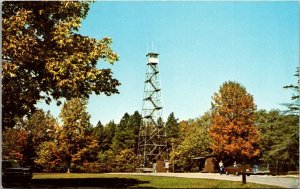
<point>204,120</point>
<point>193,141</point>
<point>172,131</point>
<point>40,127</point>
<point>100,135</point>
<point>125,161</point>
<point>125,141</point>
<point>134,124</point>
<point>87,153</point>
<point>172,127</point>
<point>44,56</point>
<point>49,157</point>
<point>123,138</point>
<point>14,141</point>
<point>127,132</point>
<point>279,138</point>
<point>75,138</point>
<point>32,131</point>
<point>294,106</point>
<point>106,161</point>
<point>110,131</point>
<point>267,124</point>
<point>232,127</point>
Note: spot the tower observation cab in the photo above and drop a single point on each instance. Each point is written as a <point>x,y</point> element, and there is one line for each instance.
<point>152,58</point>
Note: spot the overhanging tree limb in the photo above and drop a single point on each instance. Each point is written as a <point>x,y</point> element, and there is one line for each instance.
<point>44,56</point>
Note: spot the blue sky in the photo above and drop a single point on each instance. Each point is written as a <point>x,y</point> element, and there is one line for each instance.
<point>201,45</point>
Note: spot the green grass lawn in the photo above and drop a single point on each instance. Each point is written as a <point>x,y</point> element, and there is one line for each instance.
<point>132,181</point>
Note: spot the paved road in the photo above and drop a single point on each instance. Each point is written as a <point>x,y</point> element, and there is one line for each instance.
<point>282,181</point>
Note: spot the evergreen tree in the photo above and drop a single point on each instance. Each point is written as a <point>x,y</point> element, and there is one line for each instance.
<point>172,132</point>
<point>279,138</point>
<point>172,127</point>
<point>134,123</point>
<point>110,132</point>
<point>100,135</point>
<point>295,105</point>
<point>125,142</point>
<point>124,136</point>
<point>127,132</point>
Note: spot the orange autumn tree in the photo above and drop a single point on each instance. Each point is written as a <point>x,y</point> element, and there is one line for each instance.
<point>232,128</point>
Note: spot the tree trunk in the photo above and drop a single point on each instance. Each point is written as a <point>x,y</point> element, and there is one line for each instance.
<point>69,166</point>
<point>243,173</point>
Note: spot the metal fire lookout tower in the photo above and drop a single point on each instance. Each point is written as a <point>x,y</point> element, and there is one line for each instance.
<point>152,137</point>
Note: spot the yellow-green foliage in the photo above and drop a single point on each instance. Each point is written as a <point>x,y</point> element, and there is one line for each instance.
<point>45,57</point>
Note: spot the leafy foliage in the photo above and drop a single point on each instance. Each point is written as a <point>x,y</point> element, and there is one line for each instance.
<point>232,128</point>
<point>104,135</point>
<point>110,131</point>
<point>126,136</point>
<point>106,161</point>
<point>172,127</point>
<point>279,135</point>
<point>49,157</point>
<point>125,161</point>
<point>100,135</point>
<point>295,105</point>
<point>25,138</point>
<point>44,56</point>
<point>125,142</point>
<point>75,138</point>
<point>73,145</point>
<point>117,141</point>
<point>41,127</point>
<point>193,141</point>
<point>232,124</point>
<point>13,143</point>
<point>135,122</point>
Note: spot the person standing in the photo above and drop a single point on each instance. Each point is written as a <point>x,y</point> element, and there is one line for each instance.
<point>221,167</point>
<point>234,164</point>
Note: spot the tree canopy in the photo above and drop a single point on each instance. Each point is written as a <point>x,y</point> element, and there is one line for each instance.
<point>22,141</point>
<point>44,56</point>
<point>279,135</point>
<point>76,137</point>
<point>232,127</point>
<point>193,141</point>
<point>172,126</point>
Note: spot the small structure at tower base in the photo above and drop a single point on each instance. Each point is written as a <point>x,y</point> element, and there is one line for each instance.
<point>206,164</point>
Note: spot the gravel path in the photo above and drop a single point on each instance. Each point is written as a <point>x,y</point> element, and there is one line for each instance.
<point>282,181</point>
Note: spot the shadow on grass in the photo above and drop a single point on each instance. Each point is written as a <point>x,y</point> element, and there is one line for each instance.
<point>88,182</point>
